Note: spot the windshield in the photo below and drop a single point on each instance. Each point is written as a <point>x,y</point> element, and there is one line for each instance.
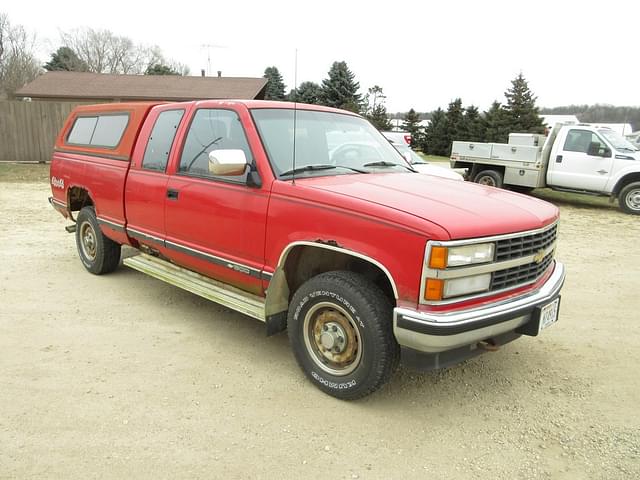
<point>405,149</point>
<point>617,141</point>
<point>323,141</point>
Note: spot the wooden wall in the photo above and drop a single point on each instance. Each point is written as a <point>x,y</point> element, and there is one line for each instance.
<point>28,130</point>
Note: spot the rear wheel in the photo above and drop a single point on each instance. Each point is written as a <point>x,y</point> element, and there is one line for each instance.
<point>99,254</point>
<point>629,198</point>
<point>491,178</point>
<point>340,328</point>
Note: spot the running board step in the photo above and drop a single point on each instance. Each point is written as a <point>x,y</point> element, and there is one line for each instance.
<point>218,292</point>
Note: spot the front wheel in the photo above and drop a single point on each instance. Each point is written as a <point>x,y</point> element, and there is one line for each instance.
<point>99,254</point>
<point>491,178</point>
<point>629,198</point>
<point>340,329</point>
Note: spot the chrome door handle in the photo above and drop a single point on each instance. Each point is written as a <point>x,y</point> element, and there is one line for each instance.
<point>602,172</point>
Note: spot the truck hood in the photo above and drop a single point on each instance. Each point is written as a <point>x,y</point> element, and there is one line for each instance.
<point>463,209</point>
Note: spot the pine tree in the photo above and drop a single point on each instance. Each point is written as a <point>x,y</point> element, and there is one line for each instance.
<point>472,128</point>
<point>453,124</point>
<point>308,92</point>
<point>275,84</point>
<point>522,113</point>
<point>435,141</point>
<point>411,124</point>
<point>340,90</point>
<point>496,124</point>
<point>65,59</point>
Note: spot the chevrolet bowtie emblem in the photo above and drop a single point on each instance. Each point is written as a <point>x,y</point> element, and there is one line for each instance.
<point>538,257</point>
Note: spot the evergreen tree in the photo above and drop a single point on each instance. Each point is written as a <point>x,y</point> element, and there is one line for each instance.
<point>496,124</point>
<point>453,124</point>
<point>308,92</point>
<point>340,89</point>
<point>67,60</point>
<point>435,139</point>
<point>275,84</point>
<point>161,69</point>
<point>411,124</point>
<point>472,128</point>
<point>522,113</point>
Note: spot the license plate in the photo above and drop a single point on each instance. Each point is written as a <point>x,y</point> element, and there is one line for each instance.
<point>549,314</point>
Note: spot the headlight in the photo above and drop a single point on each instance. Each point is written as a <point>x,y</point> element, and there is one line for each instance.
<point>443,257</point>
<point>456,287</point>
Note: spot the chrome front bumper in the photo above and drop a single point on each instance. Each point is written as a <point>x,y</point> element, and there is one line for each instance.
<point>439,332</point>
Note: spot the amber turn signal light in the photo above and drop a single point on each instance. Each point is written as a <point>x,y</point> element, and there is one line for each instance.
<point>438,257</point>
<point>433,289</point>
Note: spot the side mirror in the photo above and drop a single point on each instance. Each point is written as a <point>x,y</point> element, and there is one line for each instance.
<point>596,149</point>
<point>227,162</point>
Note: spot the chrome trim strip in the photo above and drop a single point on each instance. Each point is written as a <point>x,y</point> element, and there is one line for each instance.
<point>144,236</point>
<point>285,253</point>
<point>495,238</point>
<point>238,267</point>
<point>118,227</point>
<point>477,320</point>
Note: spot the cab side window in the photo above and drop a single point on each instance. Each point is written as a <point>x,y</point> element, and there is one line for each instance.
<point>212,129</point>
<point>581,140</point>
<point>162,136</point>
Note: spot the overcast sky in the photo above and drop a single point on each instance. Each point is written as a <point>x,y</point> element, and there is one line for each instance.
<point>423,54</point>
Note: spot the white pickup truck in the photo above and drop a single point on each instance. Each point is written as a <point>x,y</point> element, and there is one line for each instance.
<point>578,158</point>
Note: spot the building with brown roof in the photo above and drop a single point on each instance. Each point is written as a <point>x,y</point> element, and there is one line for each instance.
<point>97,87</point>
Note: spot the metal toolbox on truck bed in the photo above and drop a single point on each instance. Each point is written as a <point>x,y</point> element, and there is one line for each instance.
<point>520,153</point>
<point>471,149</point>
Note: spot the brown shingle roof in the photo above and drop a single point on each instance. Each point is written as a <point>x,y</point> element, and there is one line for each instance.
<point>78,85</point>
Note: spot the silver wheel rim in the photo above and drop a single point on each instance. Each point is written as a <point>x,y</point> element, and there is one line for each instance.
<point>487,180</point>
<point>332,339</point>
<point>632,199</point>
<point>88,240</point>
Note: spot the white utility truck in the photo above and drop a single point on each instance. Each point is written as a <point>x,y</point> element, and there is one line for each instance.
<point>577,158</point>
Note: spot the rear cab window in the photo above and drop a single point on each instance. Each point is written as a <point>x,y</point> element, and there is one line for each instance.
<point>98,130</point>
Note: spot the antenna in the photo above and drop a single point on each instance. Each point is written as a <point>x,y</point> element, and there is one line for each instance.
<point>295,111</point>
<point>209,46</point>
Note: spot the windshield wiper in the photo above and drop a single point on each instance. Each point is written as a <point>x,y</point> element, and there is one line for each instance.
<point>627,149</point>
<point>311,168</point>
<point>384,163</point>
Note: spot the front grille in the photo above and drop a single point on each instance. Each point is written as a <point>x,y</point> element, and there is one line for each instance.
<point>521,274</point>
<point>517,247</point>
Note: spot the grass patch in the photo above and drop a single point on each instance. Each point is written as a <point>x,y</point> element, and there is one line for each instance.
<point>433,158</point>
<point>24,172</point>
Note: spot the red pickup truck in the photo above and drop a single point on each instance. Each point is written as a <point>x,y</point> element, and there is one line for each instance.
<point>307,219</point>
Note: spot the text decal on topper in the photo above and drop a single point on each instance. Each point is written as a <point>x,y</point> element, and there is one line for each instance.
<point>57,182</point>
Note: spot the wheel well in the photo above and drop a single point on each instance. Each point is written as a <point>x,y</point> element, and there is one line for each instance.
<point>624,181</point>
<point>479,167</point>
<point>78,198</point>
<point>305,261</point>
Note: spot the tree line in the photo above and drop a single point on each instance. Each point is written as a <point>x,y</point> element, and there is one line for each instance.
<point>518,115</point>
<point>339,90</point>
<point>81,50</point>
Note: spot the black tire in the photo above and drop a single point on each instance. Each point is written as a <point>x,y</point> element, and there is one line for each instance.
<point>341,332</point>
<point>98,253</point>
<point>491,178</point>
<point>629,198</point>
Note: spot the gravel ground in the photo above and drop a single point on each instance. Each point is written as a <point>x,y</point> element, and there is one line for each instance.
<point>123,376</point>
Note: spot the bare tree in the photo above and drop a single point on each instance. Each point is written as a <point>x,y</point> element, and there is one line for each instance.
<point>18,64</point>
<point>105,52</point>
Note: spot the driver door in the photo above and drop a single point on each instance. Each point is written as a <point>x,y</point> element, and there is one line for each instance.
<point>581,164</point>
